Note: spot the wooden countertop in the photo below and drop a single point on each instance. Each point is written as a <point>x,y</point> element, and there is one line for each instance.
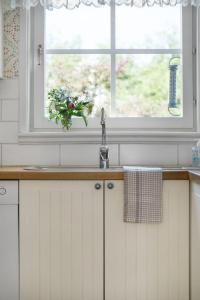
<point>18,173</point>
<point>195,176</point>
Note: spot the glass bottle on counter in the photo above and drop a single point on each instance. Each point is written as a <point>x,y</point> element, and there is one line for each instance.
<point>196,155</point>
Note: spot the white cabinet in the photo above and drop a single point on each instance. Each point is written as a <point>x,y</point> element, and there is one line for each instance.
<point>61,240</point>
<point>148,261</point>
<point>9,271</point>
<point>74,244</point>
<point>9,285</point>
<point>195,240</point>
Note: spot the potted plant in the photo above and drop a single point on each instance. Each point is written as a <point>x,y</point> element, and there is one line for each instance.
<point>63,106</point>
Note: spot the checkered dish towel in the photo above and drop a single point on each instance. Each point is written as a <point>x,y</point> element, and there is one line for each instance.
<point>142,195</point>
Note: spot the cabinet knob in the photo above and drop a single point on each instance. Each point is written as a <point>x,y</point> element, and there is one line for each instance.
<point>2,190</point>
<point>97,186</point>
<point>110,185</point>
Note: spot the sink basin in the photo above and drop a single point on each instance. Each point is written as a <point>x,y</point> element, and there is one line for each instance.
<point>96,169</point>
<point>72,169</point>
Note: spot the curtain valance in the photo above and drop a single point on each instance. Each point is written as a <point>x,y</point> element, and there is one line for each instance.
<point>70,4</point>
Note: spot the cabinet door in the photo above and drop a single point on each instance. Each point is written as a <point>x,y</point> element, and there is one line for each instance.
<point>195,240</point>
<point>61,240</point>
<point>148,261</point>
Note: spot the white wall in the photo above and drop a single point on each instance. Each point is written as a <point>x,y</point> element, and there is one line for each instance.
<point>12,153</point>
<point>1,39</point>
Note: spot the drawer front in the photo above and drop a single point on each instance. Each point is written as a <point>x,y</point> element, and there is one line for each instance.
<point>8,192</point>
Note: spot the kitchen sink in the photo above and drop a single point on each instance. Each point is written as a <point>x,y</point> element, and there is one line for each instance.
<point>72,169</point>
<point>96,169</point>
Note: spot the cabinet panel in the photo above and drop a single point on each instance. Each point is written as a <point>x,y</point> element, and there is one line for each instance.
<point>148,261</point>
<point>195,240</point>
<point>61,240</point>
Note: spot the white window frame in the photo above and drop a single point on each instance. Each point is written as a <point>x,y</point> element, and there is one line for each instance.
<point>32,120</point>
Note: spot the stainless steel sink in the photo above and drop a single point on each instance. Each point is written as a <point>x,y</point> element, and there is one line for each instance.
<point>96,169</point>
<point>72,169</point>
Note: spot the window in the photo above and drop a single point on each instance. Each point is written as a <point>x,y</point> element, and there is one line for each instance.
<point>127,69</point>
<point>121,56</point>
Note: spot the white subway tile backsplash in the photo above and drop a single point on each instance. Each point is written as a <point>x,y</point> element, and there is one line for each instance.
<point>15,154</point>
<point>10,110</point>
<point>9,89</point>
<point>86,155</point>
<point>74,154</point>
<point>0,155</point>
<point>185,154</point>
<point>148,154</point>
<point>8,132</point>
<point>1,111</point>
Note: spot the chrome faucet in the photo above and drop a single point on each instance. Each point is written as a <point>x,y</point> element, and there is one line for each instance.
<point>103,151</point>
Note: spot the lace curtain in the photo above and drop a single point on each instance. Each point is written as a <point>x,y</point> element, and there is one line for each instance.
<point>70,4</point>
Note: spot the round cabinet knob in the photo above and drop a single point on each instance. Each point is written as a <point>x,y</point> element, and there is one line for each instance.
<point>97,186</point>
<point>2,191</point>
<point>110,185</point>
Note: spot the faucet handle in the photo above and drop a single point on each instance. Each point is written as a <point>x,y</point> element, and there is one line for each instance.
<point>104,157</point>
<point>104,149</point>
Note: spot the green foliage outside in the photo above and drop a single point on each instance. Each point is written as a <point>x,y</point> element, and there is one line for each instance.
<point>142,81</point>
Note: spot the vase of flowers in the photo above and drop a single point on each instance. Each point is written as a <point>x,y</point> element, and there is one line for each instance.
<point>63,106</point>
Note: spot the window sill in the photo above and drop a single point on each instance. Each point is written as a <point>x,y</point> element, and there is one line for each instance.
<point>92,137</point>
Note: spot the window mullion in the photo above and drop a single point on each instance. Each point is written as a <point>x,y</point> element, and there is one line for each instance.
<point>113,51</point>
<point>113,57</point>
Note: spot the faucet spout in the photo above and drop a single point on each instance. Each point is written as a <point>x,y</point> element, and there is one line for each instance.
<point>104,150</point>
<point>102,116</point>
<point>103,125</point>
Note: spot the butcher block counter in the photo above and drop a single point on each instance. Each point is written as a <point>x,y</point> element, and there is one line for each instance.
<point>91,173</point>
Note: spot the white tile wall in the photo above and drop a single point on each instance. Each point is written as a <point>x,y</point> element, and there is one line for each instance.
<point>30,154</point>
<point>9,89</point>
<point>86,155</point>
<point>8,132</point>
<point>9,110</point>
<point>185,154</point>
<point>148,154</point>
<point>79,155</point>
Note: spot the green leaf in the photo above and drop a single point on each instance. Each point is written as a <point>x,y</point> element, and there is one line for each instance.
<point>59,111</point>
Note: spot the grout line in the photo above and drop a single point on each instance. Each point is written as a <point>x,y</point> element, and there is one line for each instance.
<point>119,160</point>
<point>59,154</point>
<point>1,107</point>
<point>10,99</point>
<point>177,155</point>
<point>1,154</point>
<point>12,143</point>
<point>7,121</point>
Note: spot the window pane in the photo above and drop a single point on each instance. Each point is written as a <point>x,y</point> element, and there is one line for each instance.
<point>82,73</point>
<point>148,27</point>
<point>142,86</point>
<point>82,28</point>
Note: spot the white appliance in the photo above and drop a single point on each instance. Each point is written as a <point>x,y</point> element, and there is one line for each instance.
<point>9,261</point>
